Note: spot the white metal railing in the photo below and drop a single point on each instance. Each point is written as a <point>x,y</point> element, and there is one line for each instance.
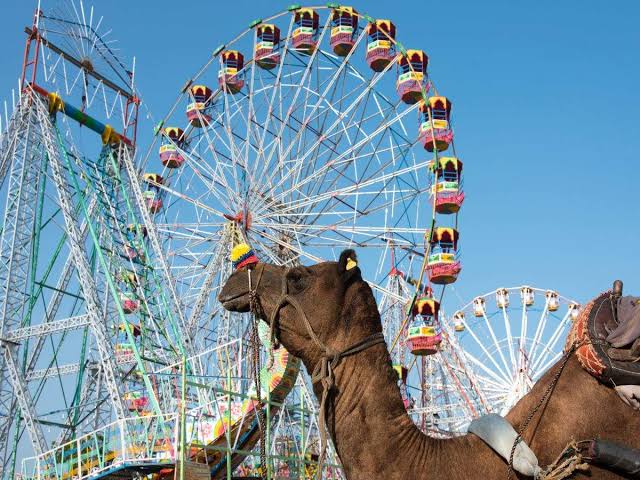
<point>147,439</point>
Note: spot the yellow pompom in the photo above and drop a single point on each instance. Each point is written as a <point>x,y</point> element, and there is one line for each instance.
<point>351,263</point>
<point>238,251</point>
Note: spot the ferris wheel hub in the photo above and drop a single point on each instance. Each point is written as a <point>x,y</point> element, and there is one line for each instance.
<point>242,219</point>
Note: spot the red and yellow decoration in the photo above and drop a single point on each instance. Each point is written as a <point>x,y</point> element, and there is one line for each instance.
<point>243,255</point>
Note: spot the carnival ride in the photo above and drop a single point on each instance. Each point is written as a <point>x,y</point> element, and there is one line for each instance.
<point>479,359</point>
<point>312,131</point>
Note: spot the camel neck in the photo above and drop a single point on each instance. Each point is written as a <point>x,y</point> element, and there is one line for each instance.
<point>373,435</point>
<point>369,426</point>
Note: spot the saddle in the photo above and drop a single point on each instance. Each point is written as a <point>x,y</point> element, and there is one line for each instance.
<point>606,338</point>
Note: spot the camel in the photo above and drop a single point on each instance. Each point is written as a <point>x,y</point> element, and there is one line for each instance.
<point>371,431</point>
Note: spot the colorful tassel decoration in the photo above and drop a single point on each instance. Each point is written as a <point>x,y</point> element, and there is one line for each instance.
<point>242,255</point>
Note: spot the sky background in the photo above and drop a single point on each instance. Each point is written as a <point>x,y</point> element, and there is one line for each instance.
<point>546,106</point>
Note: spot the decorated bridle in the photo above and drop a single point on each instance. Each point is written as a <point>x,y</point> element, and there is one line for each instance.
<point>323,372</point>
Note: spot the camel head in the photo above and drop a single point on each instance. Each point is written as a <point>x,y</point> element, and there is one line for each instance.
<point>338,304</point>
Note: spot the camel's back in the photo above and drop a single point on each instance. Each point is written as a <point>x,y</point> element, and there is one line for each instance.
<point>580,408</point>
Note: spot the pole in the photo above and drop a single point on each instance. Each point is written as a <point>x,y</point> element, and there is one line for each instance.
<point>182,415</point>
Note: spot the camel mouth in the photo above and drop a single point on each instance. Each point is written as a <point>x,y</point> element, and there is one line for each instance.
<point>235,302</point>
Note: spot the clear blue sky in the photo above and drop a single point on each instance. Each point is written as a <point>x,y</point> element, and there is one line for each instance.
<point>546,109</point>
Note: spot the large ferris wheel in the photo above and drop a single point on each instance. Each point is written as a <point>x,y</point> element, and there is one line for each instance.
<point>312,131</point>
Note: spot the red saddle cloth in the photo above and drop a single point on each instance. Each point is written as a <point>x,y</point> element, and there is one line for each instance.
<point>589,334</point>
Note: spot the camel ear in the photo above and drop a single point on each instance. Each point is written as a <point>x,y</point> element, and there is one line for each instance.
<point>348,265</point>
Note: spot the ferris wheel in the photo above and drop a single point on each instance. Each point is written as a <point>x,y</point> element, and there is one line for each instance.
<point>313,131</point>
<point>485,357</point>
<point>510,337</point>
<point>62,231</point>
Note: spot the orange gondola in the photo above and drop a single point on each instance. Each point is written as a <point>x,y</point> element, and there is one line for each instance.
<point>412,83</point>
<point>152,194</point>
<point>196,110</point>
<point>304,38</point>
<point>446,190</point>
<point>129,302</point>
<point>230,76</point>
<point>344,24</point>
<point>267,49</point>
<point>423,337</point>
<point>435,128</point>
<point>172,141</point>
<point>380,45</point>
<point>442,265</point>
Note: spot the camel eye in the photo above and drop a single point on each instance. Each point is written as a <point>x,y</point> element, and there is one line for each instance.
<point>297,280</point>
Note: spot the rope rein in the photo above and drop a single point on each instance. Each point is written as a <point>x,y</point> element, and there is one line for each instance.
<point>323,372</point>
<point>255,341</point>
<point>543,400</point>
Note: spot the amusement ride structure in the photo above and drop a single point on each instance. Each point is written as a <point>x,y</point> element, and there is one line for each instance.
<point>312,131</point>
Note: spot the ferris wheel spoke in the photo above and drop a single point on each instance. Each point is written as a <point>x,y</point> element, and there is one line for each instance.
<point>553,340</point>
<point>541,324</point>
<point>197,166</point>
<point>536,374</point>
<point>504,373</point>
<point>353,188</point>
<point>509,340</point>
<point>523,337</point>
<point>275,91</point>
<point>366,157</point>
<point>330,205</point>
<point>210,186</point>
<point>315,146</point>
<point>495,379</point>
<point>340,172</point>
<point>306,74</point>
<point>340,159</point>
<point>354,104</point>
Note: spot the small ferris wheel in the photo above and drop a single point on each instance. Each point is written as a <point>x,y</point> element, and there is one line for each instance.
<point>481,359</point>
<point>510,337</point>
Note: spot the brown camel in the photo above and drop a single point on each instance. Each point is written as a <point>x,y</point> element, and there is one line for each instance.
<point>370,428</point>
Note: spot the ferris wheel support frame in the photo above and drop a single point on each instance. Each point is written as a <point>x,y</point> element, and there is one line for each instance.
<point>33,138</point>
<point>15,257</point>
<point>87,283</point>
